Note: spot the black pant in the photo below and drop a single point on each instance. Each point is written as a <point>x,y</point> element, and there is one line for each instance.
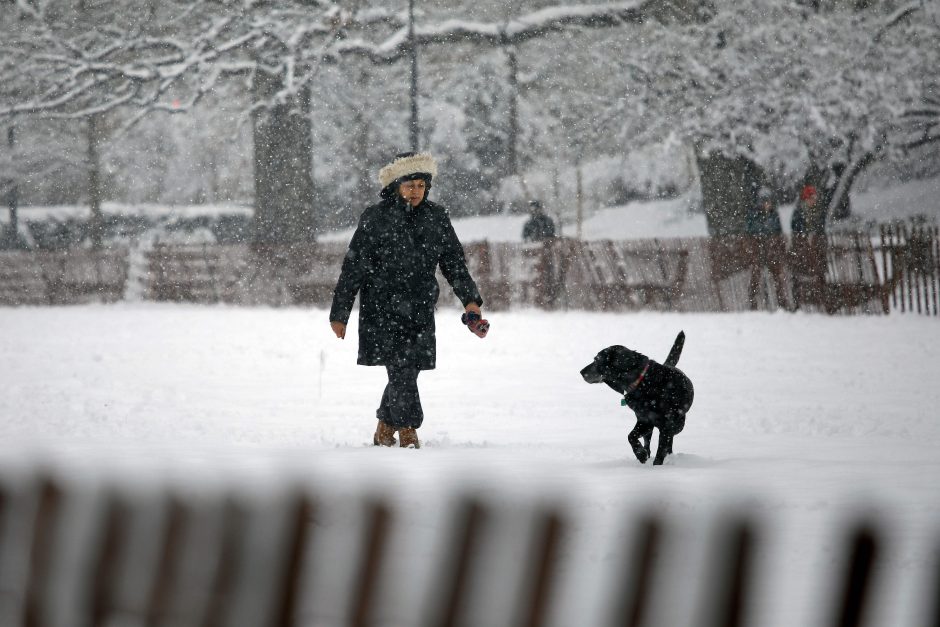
<point>401,403</point>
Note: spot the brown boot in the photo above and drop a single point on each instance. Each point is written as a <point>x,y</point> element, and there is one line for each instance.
<point>409,438</point>
<point>384,435</point>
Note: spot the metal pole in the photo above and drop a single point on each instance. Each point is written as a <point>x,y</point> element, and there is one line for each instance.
<point>414,75</point>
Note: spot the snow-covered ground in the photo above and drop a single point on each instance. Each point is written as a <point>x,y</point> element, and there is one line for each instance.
<point>805,418</point>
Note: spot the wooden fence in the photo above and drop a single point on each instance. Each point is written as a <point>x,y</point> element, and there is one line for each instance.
<point>75,554</point>
<point>911,259</point>
<point>240,274</point>
<point>845,273</point>
<point>838,274</point>
<point>62,277</point>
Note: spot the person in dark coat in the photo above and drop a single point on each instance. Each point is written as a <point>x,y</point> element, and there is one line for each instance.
<point>809,248</point>
<point>391,263</point>
<point>539,227</point>
<point>809,216</point>
<point>768,249</point>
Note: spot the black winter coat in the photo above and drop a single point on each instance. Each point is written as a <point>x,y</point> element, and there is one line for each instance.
<point>808,220</point>
<point>761,222</point>
<point>537,228</point>
<point>391,263</point>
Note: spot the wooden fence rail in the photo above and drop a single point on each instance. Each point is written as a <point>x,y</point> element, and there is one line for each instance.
<point>75,555</point>
<point>845,273</point>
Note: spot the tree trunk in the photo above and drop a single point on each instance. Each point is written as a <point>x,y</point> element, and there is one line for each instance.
<point>729,188</point>
<point>512,166</point>
<point>94,181</point>
<point>362,172</point>
<point>10,238</point>
<point>283,166</point>
<point>838,206</point>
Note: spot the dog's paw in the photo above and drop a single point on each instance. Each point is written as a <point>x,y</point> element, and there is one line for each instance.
<point>641,454</point>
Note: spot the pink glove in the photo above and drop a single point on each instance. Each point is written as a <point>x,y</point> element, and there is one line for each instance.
<point>477,325</point>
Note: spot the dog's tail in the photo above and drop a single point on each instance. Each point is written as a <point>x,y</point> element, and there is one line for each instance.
<point>673,357</point>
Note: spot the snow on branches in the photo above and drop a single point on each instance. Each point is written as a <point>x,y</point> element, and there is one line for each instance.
<point>78,60</point>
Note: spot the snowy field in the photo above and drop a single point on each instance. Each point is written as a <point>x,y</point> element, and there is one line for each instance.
<point>806,418</point>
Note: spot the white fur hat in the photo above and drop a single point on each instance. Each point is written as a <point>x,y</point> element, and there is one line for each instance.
<point>421,162</point>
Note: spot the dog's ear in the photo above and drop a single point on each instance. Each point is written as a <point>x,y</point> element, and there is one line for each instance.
<point>606,360</point>
<point>625,360</point>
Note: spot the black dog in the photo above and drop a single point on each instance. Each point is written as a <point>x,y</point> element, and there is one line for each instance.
<point>659,394</point>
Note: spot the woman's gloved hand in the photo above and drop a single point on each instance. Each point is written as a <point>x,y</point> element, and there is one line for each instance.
<point>475,322</point>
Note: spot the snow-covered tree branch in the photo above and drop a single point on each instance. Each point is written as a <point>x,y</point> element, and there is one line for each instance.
<point>526,27</point>
<point>57,67</point>
<point>79,59</point>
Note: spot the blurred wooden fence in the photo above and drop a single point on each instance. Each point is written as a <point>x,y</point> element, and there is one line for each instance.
<point>240,274</point>
<point>911,257</point>
<point>841,273</point>
<point>77,555</point>
<point>62,277</point>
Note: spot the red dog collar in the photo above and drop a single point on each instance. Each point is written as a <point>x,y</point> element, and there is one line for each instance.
<point>635,384</point>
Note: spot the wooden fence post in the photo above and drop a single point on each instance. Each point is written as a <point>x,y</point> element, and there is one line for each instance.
<point>367,582</point>
<point>633,593</point>
<point>42,549</point>
<point>732,574</point>
<point>105,570</point>
<point>935,268</point>
<point>533,608</point>
<point>288,593</point>
<point>456,569</point>
<point>858,576</point>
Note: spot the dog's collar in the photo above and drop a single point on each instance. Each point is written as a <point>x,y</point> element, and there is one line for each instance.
<point>635,384</point>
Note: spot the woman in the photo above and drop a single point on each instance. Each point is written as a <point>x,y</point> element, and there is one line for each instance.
<point>809,249</point>
<point>391,263</point>
<point>768,249</point>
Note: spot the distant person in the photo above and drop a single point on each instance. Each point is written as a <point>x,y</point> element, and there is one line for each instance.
<point>391,264</point>
<point>809,216</point>
<point>768,248</point>
<point>539,227</point>
<point>809,247</point>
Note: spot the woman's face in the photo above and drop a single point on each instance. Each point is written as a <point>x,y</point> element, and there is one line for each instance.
<point>413,191</point>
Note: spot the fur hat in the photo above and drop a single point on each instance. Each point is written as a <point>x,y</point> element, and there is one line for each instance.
<point>408,164</point>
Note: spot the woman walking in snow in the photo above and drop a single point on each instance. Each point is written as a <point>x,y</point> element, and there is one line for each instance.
<point>391,263</point>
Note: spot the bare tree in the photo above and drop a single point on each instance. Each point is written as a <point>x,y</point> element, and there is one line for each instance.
<point>790,89</point>
<point>77,59</point>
